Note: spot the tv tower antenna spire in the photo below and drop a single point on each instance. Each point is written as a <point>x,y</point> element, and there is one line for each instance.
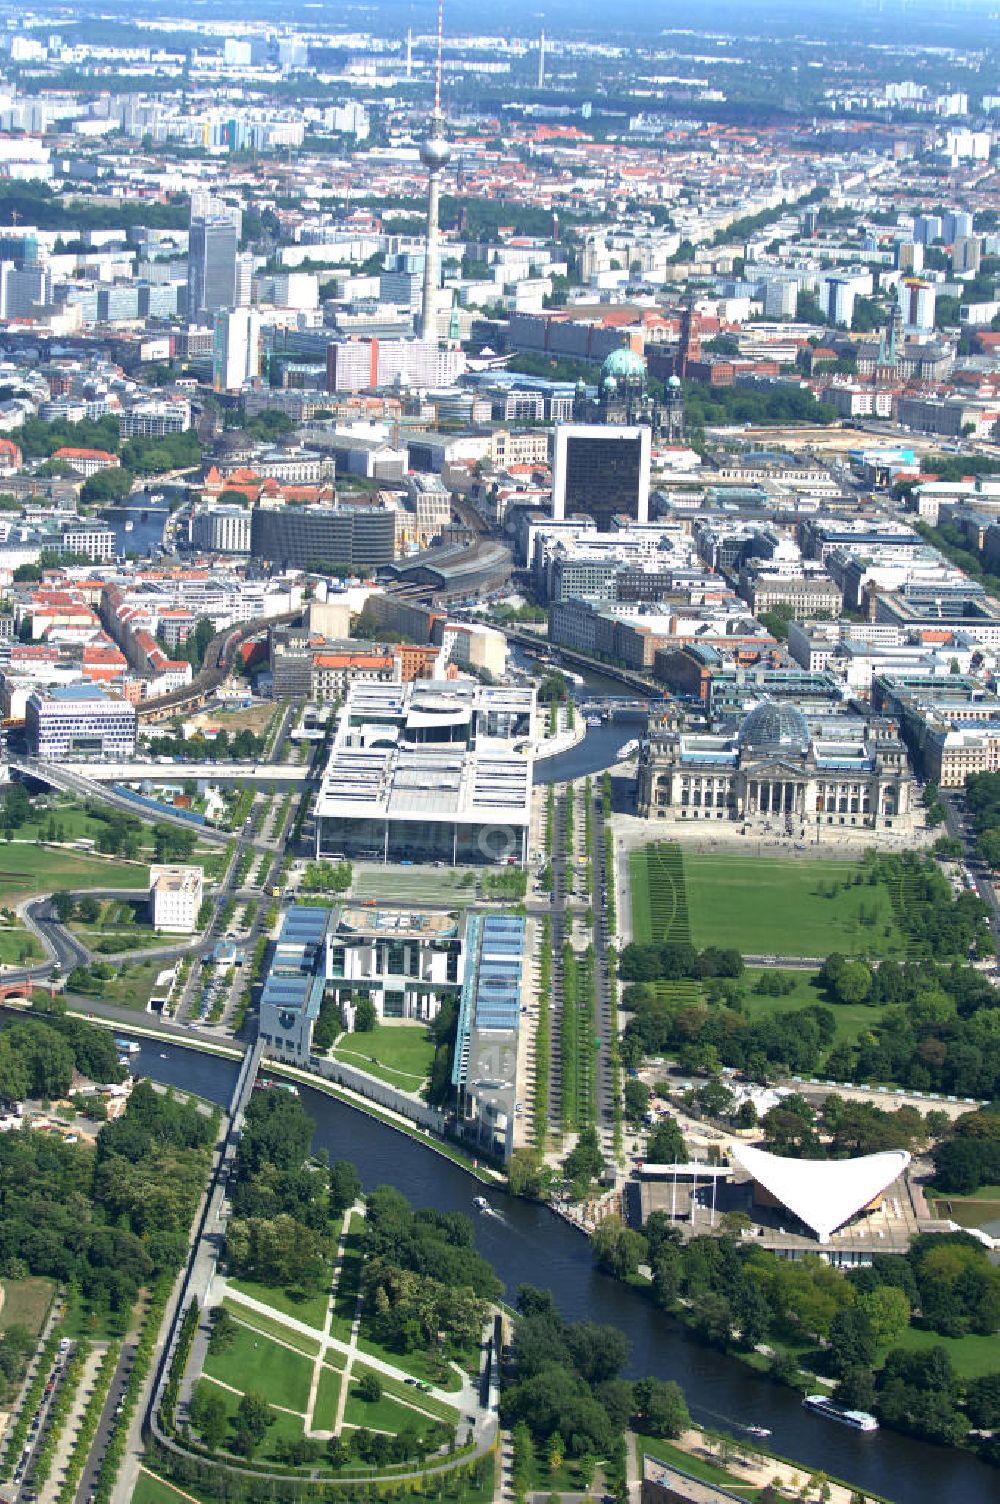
<point>435,154</point>
<point>437,70</point>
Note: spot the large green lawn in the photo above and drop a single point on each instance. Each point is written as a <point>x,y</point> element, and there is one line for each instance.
<point>972,1355</point>
<point>760,905</point>
<point>18,945</point>
<point>399,1053</point>
<point>283,1427</point>
<point>25,870</point>
<point>253,1361</point>
<point>271,1326</point>
<point>387,1413</point>
<point>133,984</point>
<point>852,1018</point>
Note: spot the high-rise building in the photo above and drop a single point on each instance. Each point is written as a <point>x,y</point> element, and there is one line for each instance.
<point>435,154</point>
<point>213,245</point>
<point>909,256</point>
<point>21,288</point>
<point>839,302</point>
<point>917,300</point>
<point>236,349</point>
<point>244,281</point>
<point>602,471</point>
<point>966,253</point>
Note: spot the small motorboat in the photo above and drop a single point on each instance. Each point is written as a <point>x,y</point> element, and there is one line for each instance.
<point>761,1431</point>
<point>481,1204</point>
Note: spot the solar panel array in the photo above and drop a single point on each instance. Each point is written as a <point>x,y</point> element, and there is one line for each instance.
<point>498,984</point>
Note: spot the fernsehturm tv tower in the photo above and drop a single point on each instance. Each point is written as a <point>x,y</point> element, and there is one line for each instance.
<point>435,154</point>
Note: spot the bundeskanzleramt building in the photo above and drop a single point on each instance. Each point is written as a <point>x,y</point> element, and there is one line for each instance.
<point>79,721</point>
<point>406,963</point>
<point>773,771</point>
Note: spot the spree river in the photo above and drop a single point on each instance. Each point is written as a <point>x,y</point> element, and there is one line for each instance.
<point>527,1244</point>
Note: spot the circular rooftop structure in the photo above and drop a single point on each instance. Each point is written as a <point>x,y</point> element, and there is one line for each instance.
<point>775,728</point>
<point>624,365</point>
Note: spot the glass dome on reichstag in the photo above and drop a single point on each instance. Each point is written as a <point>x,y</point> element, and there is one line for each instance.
<point>775,728</point>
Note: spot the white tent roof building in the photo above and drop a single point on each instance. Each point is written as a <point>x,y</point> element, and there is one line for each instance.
<point>823,1194</point>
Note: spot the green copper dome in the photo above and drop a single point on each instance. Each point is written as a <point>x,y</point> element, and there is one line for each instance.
<point>624,365</point>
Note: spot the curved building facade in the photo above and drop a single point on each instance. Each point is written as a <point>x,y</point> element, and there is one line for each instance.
<point>311,537</point>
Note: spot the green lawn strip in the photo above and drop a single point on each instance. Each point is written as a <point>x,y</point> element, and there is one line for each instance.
<point>984,1193</point>
<point>26,1302</point>
<point>852,1019</point>
<point>770,905</point>
<point>254,1361</point>
<point>43,869</point>
<point>971,1355</point>
<point>349,1282</point>
<point>334,1358</point>
<point>152,1490</point>
<point>327,1400</point>
<point>272,1327</point>
<point>386,1414</point>
<point>285,1427</point>
<point>311,1311</point>
<point>398,1389</point>
<point>698,1467</point>
<point>420,1365</point>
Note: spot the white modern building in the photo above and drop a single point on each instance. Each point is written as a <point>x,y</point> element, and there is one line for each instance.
<point>822,1194</point>
<point>405,963</point>
<point>429,772</point>
<point>79,721</point>
<point>175,896</point>
<point>236,349</point>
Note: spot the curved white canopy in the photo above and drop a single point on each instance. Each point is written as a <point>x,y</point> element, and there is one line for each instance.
<point>824,1194</point>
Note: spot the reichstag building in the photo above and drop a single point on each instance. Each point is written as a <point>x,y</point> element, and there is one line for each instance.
<point>771,771</point>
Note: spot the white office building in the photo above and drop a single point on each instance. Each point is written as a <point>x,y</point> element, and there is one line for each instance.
<point>78,721</point>
<point>175,896</point>
<point>236,349</point>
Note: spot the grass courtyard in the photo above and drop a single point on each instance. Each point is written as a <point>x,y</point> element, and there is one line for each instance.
<point>398,1053</point>
<point>447,886</point>
<point>760,905</point>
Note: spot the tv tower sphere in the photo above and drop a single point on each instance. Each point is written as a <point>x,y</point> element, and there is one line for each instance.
<point>435,151</point>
